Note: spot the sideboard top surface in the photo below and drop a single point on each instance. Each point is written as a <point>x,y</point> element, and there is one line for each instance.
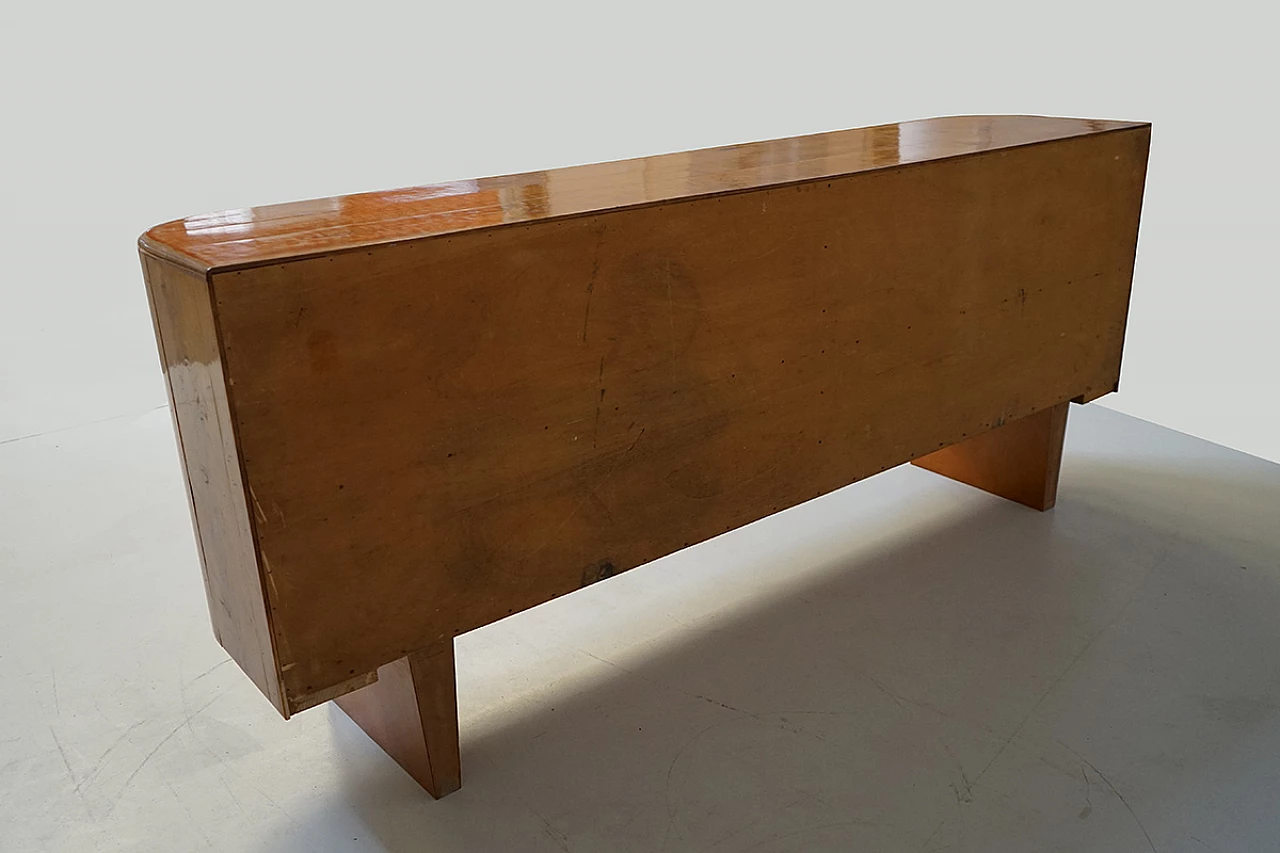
<point>262,235</point>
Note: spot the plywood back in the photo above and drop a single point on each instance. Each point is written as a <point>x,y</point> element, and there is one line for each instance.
<point>441,431</point>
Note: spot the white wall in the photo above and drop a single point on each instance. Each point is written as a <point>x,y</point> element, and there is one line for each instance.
<point>118,116</point>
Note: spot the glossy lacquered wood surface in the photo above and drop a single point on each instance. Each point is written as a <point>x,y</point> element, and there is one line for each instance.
<point>392,440</point>
<point>250,236</point>
<point>235,578</point>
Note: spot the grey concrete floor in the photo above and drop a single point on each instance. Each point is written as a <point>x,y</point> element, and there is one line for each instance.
<point>905,665</point>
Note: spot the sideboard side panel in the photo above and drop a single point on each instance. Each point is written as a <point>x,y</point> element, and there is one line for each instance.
<point>187,337</point>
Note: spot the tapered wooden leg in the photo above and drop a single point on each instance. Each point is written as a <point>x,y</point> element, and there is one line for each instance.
<point>1018,461</point>
<point>411,711</point>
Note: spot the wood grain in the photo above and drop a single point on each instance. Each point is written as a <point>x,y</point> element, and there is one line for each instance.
<point>444,430</point>
<point>188,341</point>
<point>1018,461</point>
<point>411,711</point>
<point>253,236</point>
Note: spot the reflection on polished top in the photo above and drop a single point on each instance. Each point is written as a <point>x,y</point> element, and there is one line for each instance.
<point>259,235</point>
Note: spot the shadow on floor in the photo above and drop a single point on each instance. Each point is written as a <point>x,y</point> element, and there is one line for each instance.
<point>1098,677</point>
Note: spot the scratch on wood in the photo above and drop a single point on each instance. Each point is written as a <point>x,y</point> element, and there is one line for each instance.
<point>257,507</point>
<point>671,313</point>
<point>271,579</point>
<point>595,430</point>
<point>591,283</point>
<point>604,478</point>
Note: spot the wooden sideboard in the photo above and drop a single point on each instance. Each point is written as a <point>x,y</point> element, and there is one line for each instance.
<point>403,415</point>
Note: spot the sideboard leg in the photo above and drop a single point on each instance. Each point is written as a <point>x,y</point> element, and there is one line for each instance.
<point>1018,461</point>
<point>411,711</point>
